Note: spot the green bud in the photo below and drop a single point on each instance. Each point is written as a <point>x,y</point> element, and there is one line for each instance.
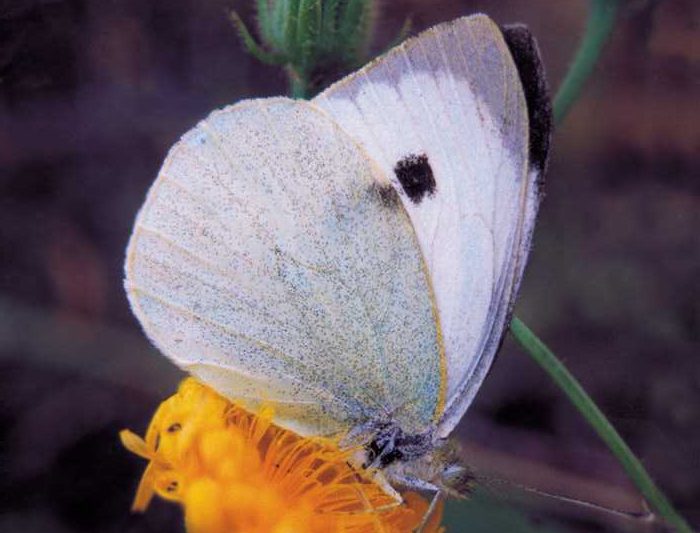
<point>316,41</point>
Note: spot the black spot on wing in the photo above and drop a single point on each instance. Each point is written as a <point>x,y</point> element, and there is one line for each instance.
<point>526,55</point>
<point>386,194</point>
<point>416,177</point>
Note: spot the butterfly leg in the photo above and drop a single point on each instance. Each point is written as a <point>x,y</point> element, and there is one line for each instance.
<point>380,479</point>
<point>429,512</point>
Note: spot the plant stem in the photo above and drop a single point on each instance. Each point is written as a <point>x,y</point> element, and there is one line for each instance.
<point>601,21</point>
<point>298,84</point>
<point>585,405</point>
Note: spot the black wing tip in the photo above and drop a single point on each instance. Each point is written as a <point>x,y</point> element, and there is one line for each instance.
<point>526,55</point>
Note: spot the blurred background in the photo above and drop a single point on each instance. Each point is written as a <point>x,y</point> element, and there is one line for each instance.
<point>94,92</point>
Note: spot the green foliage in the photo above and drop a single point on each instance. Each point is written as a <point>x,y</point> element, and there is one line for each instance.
<point>315,41</point>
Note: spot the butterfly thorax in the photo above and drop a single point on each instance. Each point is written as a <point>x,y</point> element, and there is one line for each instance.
<point>441,469</point>
<point>418,461</point>
<point>391,444</point>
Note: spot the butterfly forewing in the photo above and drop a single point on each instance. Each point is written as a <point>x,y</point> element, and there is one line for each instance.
<point>446,118</point>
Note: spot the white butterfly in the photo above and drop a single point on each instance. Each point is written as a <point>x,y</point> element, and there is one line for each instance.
<point>353,261</point>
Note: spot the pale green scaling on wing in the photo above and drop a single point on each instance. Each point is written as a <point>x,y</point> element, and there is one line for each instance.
<point>274,261</point>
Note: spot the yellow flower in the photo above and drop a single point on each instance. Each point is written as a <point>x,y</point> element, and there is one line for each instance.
<point>233,471</point>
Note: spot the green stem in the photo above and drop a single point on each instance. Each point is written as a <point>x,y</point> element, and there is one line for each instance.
<point>601,21</point>
<point>585,405</point>
<point>298,84</point>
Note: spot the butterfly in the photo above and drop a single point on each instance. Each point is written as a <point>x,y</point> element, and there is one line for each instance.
<point>353,260</point>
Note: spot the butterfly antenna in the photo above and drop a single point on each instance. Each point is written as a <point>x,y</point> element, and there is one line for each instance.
<point>646,515</point>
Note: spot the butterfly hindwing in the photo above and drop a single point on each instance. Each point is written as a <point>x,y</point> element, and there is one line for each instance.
<point>276,263</point>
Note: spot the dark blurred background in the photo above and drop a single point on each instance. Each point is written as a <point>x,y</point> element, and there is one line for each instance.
<point>94,92</point>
